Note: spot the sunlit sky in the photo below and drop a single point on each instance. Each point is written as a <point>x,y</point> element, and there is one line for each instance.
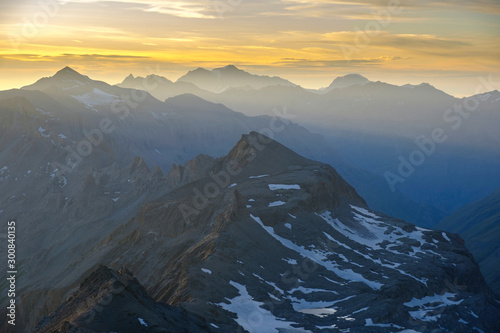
<point>310,42</point>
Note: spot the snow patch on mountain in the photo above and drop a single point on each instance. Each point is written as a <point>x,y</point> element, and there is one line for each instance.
<point>427,306</point>
<point>320,257</point>
<point>274,187</point>
<point>372,233</point>
<point>96,97</point>
<point>247,310</point>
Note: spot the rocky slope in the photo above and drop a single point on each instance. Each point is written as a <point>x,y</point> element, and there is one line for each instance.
<point>478,224</point>
<point>270,241</point>
<point>115,301</point>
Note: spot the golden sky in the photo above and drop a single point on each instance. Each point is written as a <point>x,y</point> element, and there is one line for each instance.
<point>310,42</point>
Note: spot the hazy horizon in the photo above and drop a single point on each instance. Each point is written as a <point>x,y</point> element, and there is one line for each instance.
<point>116,78</point>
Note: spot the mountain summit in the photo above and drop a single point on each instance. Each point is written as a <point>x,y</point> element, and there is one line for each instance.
<point>219,79</point>
<point>65,78</point>
<point>68,73</point>
<point>347,81</point>
<point>265,154</point>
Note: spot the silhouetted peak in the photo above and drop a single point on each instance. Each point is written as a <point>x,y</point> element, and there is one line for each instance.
<point>264,154</point>
<point>157,78</point>
<point>68,73</point>
<point>347,81</point>
<point>199,70</point>
<point>230,68</point>
<point>138,165</point>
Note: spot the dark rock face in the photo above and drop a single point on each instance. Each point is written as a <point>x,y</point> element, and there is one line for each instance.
<point>191,171</point>
<point>110,301</point>
<point>478,224</point>
<point>295,249</point>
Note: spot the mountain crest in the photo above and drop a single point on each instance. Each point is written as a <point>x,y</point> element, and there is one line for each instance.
<point>68,73</point>
<point>347,81</point>
<point>66,78</point>
<point>220,79</point>
<point>129,78</point>
<point>262,154</point>
<point>229,68</point>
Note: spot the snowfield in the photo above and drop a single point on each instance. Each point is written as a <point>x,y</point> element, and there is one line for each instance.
<point>274,187</point>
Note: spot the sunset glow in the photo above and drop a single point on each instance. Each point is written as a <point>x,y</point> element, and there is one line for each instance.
<point>309,42</point>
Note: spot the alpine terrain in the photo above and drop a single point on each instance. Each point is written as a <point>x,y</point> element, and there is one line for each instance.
<point>269,241</point>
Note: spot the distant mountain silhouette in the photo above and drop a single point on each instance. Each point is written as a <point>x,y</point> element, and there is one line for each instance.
<point>347,81</point>
<point>219,79</point>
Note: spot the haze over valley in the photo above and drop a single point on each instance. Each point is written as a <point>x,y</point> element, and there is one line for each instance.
<point>264,167</point>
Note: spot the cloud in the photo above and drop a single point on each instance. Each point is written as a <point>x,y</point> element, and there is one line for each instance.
<point>183,9</point>
<point>361,8</point>
<point>335,63</point>
<point>419,41</point>
<point>68,57</point>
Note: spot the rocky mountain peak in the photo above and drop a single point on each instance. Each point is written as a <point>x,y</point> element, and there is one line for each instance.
<point>138,165</point>
<point>149,82</point>
<point>194,169</point>
<point>230,69</point>
<point>220,79</point>
<point>130,79</point>
<point>66,78</point>
<point>347,81</point>
<point>257,153</point>
<point>68,73</point>
<point>158,78</point>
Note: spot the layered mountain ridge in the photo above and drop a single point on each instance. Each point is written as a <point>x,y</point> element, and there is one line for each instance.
<point>219,79</point>
<point>373,124</point>
<point>175,131</point>
<point>291,240</point>
<point>104,189</point>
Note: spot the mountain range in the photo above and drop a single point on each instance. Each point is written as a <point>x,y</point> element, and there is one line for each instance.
<point>264,240</point>
<point>147,188</point>
<point>375,125</point>
<point>194,126</point>
<point>373,187</point>
<point>220,79</point>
